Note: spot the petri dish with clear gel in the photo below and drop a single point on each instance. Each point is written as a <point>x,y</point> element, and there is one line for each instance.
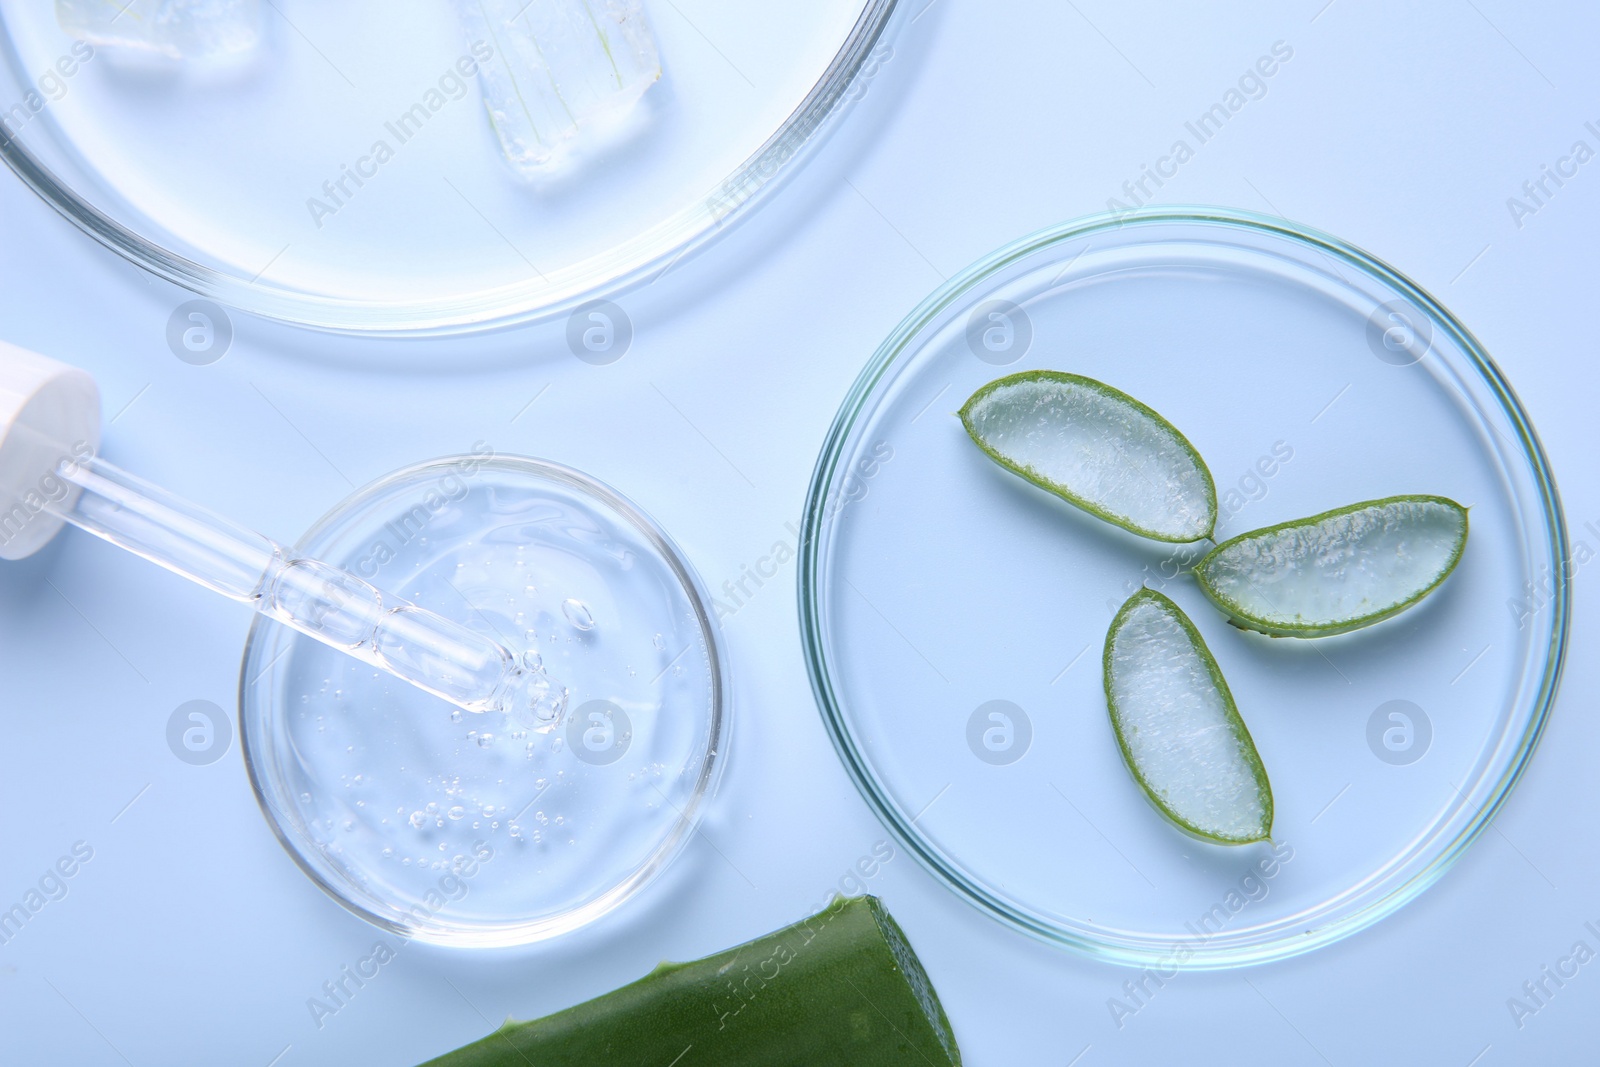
<point>960,674</point>
<point>494,829</point>
<point>343,169</point>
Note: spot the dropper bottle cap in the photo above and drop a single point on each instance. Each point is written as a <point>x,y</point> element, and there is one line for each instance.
<point>48,411</point>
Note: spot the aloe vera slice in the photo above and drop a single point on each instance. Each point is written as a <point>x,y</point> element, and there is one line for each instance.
<point>838,989</point>
<point>1099,449</point>
<point>1177,725</point>
<point>553,71</point>
<point>1338,571</point>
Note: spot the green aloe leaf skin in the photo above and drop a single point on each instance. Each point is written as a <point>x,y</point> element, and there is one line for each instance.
<point>1180,733</point>
<point>1097,448</point>
<point>840,989</point>
<point>1337,571</point>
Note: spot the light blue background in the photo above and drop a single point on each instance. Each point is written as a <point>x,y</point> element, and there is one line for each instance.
<point>191,938</point>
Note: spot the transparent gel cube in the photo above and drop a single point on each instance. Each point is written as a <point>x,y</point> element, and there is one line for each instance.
<point>559,70</point>
<point>181,29</point>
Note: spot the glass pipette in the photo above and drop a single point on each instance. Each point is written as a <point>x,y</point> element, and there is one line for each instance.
<point>324,602</point>
<point>328,603</point>
<point>51,473</point>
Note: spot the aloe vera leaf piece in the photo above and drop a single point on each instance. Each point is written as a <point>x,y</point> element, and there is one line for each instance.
<point>1177,725</point>
<point>552,71</point>
<point>840,989</point>
<point>1338,571</point>
<point>178,29</point>
<point>1099,449</point>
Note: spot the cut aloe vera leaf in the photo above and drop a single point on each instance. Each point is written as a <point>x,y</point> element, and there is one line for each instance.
<point>179,29</point>
<point>840,988</point>
<point>1338,571</point>
<point>1099,449</point>
<point>554,71</point>
<point>1177,725</point>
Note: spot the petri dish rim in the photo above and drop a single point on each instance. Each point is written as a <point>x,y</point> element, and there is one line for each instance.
<point>265,634</point>
<point>691,229</point>
<point>1127,951</point>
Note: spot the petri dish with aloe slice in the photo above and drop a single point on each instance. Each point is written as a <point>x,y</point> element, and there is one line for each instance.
<point>954,615</point>
<point>340,165</point>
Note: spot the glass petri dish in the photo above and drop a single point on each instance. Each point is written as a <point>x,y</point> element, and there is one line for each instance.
<point>954,616</point>
<point>486,830</point>
<point>206,175</point>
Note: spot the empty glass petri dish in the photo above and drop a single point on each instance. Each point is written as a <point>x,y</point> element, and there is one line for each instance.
<point>494,829</point>
<point>954,616</point>
<point>342,173</point>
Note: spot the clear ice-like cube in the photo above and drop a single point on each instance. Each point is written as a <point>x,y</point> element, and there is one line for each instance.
<point>181,29</point>
<point>559,69</point>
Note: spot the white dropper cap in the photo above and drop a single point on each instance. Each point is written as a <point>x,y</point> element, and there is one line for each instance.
<point>49,412</point>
